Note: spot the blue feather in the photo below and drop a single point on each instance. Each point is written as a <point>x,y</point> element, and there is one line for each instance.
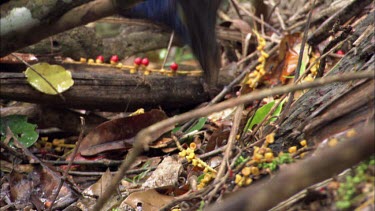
<point>196,28</point>
<point>161,11</point>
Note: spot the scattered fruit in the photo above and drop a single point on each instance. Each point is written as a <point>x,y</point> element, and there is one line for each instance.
<point>83,60</point>
<point>138,61</point>
<point>174,66</point>
<point>340,52</point>
<point>145,62</point>
<point>90,61</point>
<point>99,59</point>
<point>114,59</point>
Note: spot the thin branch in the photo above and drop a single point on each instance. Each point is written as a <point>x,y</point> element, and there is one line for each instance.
<point>65,175</point>
<point>168,49</point>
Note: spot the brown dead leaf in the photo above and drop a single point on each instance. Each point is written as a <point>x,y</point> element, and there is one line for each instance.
<point>119,129</point>
<point>165,175</point>
<point>151,200</point>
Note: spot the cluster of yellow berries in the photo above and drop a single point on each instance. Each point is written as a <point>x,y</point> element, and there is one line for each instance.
<point>313,69</point>
<point>207,178</point>
<point>293,149</point>
<point>254,77</point>
<point>261,154</point>
<point>244,178</point>
<point>191,157</point>
<point>264,153</point>
<point>58,144</point>
<point>263,157</point>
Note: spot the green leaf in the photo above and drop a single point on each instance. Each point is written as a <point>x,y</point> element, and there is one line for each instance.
<point>56,75</point>
<point>24,131</point>
<point>199,125</point>
<point>196,127</point>
<point>262,112</point>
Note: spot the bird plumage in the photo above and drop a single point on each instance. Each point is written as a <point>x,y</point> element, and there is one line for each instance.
<point>194,21</point>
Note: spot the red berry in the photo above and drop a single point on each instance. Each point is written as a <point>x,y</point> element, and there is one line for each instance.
<point>174,66</point>
<point>100,58</point>
<point>138,61</point>
<point>145,61</point>
<point>114,58</point>
<point>340,52</point>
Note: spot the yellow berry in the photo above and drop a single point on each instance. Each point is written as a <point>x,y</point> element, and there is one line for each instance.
<point>194,162</point>
<point>257,157</point>
<point>351,133</point>
<point>146,72</point>
<point>264,54</point>
<point>246,171</point>
<point>262,150</point>
<point>182,153</point>
<point>255,170</point>
<point>48,145</point>
<point>200,186</point>
<point>238,178</point>
<point>208,177</point>
<point>189,151</point>
<point>193,146</point>
<point>270,138</point>
<point>292,149</point>
<point>248,181</point>
<point>332,142</point>
<point>303,143</point>
<point>268,156</point>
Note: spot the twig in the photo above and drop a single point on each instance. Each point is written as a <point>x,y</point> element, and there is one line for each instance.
<point>257,19</point>
<point>168,49</point>
<point>104,162</point>
<point>234,5</point>
<point>132,171</point>
<point>12,151</point>
<point>231,142</point>
<point>65,175</point>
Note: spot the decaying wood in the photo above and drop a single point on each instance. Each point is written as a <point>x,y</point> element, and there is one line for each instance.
<point>111,89</point>
<point>26,24</point>
<point>84,42</point>
<point>334,108</point>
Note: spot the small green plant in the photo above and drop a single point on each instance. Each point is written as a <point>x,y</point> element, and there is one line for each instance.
<point>140,176</point>
<point>240,160</point>
<point>281,159</point>
<point>262,112</point>
<point>348,188</point>
<point>21,129</point>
